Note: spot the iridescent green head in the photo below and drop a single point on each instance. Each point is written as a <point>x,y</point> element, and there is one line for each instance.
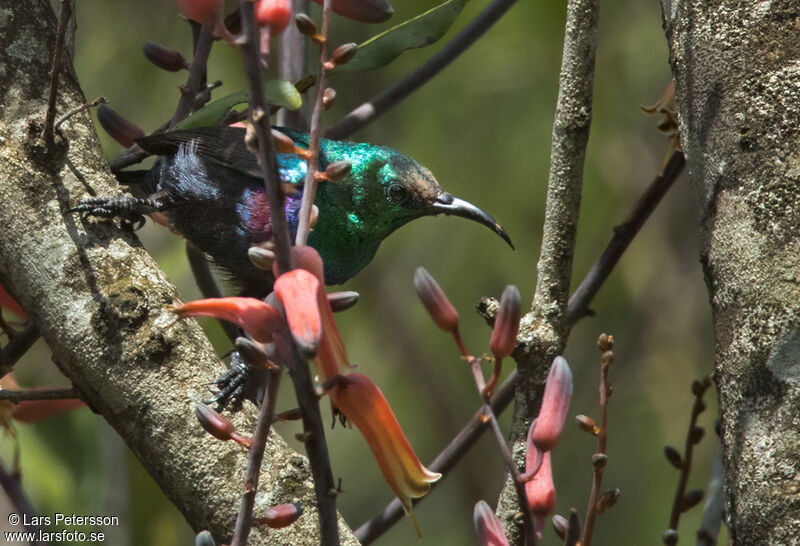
<point>383,191</point>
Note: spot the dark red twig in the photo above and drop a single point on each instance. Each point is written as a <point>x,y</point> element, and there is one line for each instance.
<point>17,347</point>
<point>34,394</point>
<point>310,187</point>
<point>12,485</point>
<point>316,447</point>
<point>605,343</point>
<point>55,71</point>
<point>244,520</point>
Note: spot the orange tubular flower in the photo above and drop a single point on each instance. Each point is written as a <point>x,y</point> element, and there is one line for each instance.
<point>256,317</point>
<point>364,405</point>
<point>298,291</point>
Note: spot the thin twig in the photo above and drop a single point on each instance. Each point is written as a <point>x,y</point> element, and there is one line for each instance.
<point>567,153</point>
<point>310,186</point>
<point>314,435</point>
<point>55,70</point>
<point>370,110</point>
<point>678,505</point>
<point>602,438</point>
<point>16,396</point>
<point>17,347</point>
<point>267,156</point>
<point>12,485</point>
<point>96,102</point>
<point>578,303</point>
<point>189,91</point>
<point>623,235</point>
<point>195,82</point>
<point>519,484</point>
<point>244,520</point>
<point>292,67</point>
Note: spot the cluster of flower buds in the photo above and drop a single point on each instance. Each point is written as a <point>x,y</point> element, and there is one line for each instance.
<point>543,436</point>
<point>306,310</point>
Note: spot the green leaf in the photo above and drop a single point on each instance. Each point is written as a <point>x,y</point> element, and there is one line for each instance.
<point>213,112</point>
<point>421,31</point>
<point>284,94</point>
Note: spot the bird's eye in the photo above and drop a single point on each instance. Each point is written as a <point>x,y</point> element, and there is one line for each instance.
<point>397,193</point>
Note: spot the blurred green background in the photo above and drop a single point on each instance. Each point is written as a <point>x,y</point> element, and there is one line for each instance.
<point>483,127</point>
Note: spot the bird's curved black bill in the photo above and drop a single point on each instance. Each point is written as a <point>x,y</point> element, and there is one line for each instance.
<point>447,204</point>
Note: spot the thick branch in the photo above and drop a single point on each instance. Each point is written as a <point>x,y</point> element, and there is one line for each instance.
<point>736,81</point>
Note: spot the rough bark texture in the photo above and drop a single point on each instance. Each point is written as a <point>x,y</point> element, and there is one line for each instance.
<point>99,302</point>
<point>738,87</point>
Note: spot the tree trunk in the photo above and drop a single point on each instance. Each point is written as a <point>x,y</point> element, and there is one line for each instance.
<point>99,301</point>
<point>738,90</point>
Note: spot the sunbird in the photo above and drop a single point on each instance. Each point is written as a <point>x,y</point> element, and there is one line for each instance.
<point>208,185</point>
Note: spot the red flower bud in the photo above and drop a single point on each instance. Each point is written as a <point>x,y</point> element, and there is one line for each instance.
<point>298,292</point>
<point>506,324</point>
<point>275,14</point>
<point>435,301</point>
<point>219,427</point>
<point>163,57</point>
<point>117,127</point>
<point>280,515</point>
<point>555,405</point>
<point>487,526</point>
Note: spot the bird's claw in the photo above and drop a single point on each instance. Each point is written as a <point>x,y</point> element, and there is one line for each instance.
<point>241,382</point>
<point>124,208</point>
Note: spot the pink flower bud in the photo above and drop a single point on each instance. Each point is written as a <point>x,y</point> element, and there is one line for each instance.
<point>117,127</point>
<point>256,317</point>
<point>541,492</point>
<point>506,324</point>
<point>280,515</point>
<point>364,11</point>
<point>555,405</point>
<point>487,526</point>
<point>217,426</point>
<point>435,301</point>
